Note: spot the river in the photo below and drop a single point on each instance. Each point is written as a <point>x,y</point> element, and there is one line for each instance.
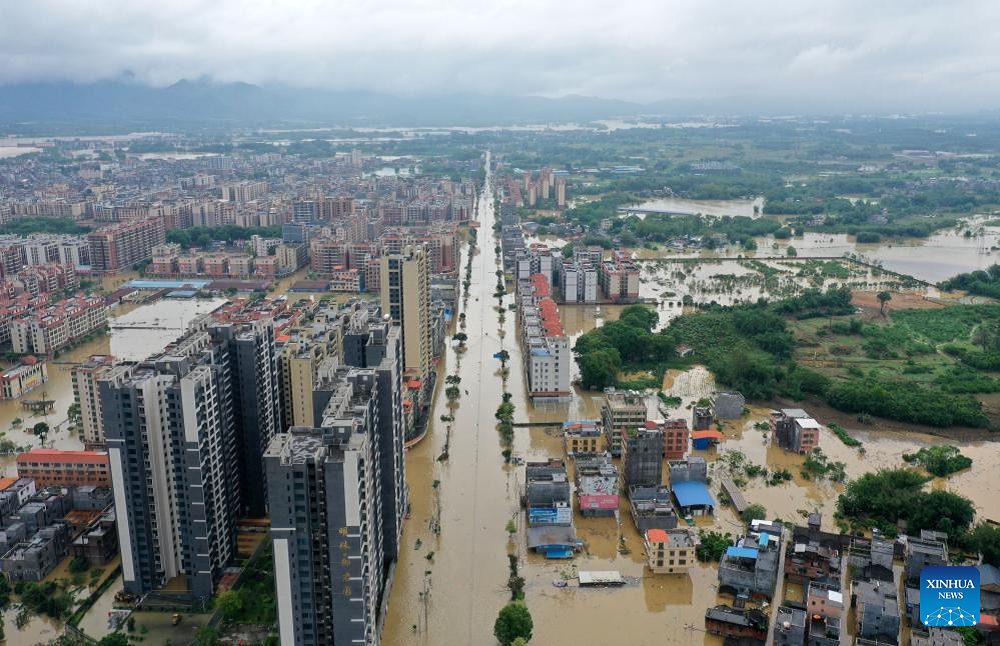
<point>450,582</point>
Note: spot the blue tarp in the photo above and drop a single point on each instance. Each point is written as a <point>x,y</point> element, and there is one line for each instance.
<point>692,494</point>
<point>559,554</point>
<point>741,552</point>
<point>765,538</point>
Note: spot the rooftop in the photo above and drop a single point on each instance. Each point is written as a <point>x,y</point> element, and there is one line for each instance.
<point>692,494</point>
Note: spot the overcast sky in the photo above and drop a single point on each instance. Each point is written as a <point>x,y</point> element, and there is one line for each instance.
<point>847,55</point>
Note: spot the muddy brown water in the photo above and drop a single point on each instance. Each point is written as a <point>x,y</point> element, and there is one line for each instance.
<point>460,506</point>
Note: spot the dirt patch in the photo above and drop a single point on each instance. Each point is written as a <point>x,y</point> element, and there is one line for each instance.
<point>899,301</point>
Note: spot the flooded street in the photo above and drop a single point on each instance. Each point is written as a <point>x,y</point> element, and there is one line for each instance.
<point>451,578</point>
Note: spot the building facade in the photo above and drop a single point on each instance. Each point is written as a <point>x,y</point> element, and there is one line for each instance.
<point>182,429</point>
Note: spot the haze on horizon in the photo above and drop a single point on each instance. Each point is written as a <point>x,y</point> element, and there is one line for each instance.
<point>775,57</point>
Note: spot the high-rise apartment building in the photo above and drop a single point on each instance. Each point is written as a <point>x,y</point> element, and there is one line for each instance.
<point>87,396</point>
<point>185,431</point>
<point>303,352</point>
<point>406,297</point>
<point>121,245</point>
<point>331,523</point>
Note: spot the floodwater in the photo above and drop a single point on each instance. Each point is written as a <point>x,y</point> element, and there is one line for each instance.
<point>941,255</point>
<point>453,597</point>
<point>730,281</point>
<point>712,208</point>
<point>129,344</point>
<point>15,151</point>
<point>150,328</point>
<point>451,578</point>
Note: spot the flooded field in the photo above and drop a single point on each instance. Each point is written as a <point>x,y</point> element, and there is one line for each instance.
<point>451,578</point>
<point>937,257</point>
<point>150,328</point>
<point>713,208</point>
<point>729,281</point>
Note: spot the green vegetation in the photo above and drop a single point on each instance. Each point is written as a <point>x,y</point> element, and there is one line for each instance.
<point>253,602</point>
<point>602,352</point>
<point>45,598</point>
<point>760,350</point>
<point>844,436</point>
<point>513,622</point>
<point>754,511</point>
<point>818,466</point>
<point>515,582</point>
<point>712,545</point>
<point>26,226</point>
<point>884,498</point>
<point>204,236</point>
<point>980,283</point>
<point>941,460</point>
<point>985,538</point>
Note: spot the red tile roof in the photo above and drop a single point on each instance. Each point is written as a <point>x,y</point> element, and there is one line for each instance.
<point>58,455</point>
<point>657,536</point>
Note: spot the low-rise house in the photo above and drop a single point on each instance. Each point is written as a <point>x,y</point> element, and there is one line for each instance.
<point>550,510</point>
<point>877,611</point>
<point>582,438</point>
<point>652,508</point>
<point>23,378</point>
<point>670,551</point>
<point>98,543</point>
<point>790,626</point>
<point>825,604</point>
<point>794,430</point>
<point>728,405</point>
<point>56,467</point>
<point>739,623</point>
<point>33,559</point>
<point>596,485</point>
<point>810,561</point>
<point>750,568</point>
<point>701,418</point>
<point>929,549</point>
<point>935,636</point>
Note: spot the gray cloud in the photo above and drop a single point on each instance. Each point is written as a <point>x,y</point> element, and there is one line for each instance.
<point>844,55</point>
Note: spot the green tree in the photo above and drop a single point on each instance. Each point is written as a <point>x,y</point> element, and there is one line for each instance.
<point>986,539</point>
<point>883,300</point>
<point>513,621</point>
<point>600,369</point>
<point>229,604</point>
<point>41,431</point>
<point>73,413</point>
<point>114,639</point>
<point>754,511</point>
<point>206,636</point>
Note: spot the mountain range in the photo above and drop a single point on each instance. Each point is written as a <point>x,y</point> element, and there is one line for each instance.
<point>208,102</point>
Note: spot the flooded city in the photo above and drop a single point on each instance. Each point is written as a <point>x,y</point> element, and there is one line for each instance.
<point>450,579</point>
<point>553,325</point>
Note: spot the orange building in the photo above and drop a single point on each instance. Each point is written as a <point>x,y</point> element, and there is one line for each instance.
<point>55,467</point>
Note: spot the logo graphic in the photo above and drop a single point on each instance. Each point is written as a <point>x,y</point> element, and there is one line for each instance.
<point>949,596</point>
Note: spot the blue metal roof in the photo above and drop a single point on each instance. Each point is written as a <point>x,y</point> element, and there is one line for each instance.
<point>741,552</point>
<point>691,494</point>
<point>166,283</point>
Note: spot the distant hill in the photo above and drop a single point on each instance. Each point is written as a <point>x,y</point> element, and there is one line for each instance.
<point>207,102</point>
